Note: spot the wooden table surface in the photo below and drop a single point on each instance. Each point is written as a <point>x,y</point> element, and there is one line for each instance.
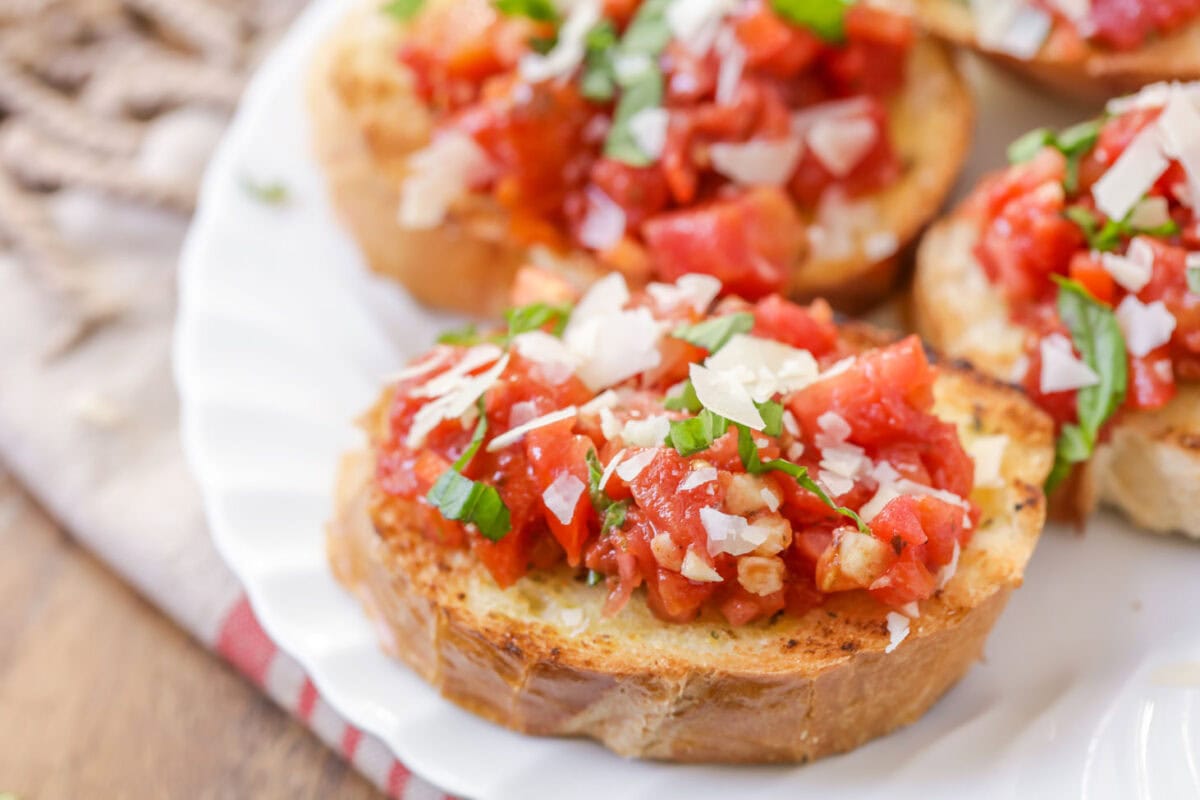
<point>101,696</point>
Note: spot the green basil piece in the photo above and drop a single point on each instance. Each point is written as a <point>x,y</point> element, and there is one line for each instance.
<point>537,10</point>
<point>1074,143</point>
<point>459,498</point>
<point>696,434</point>
<point>1029,145</point>
<point>645,91</point>
<point>597,82</point>
<point>1107,237</point>
<point>466,335</point>
<point>685,400</point>
<point>402,9</point>
<point>772,414</point>
<point>713,334</point>
<point>825,18</point>
<point>748,453</point>
<point>612,512</point>
<point>1098,338</point>
<point>535,316</point>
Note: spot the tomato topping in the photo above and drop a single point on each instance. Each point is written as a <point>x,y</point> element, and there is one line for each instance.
<point>1126,24</point>
<point>547,141</point>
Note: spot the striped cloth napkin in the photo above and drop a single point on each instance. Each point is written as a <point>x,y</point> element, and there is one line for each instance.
<point>93,433</point>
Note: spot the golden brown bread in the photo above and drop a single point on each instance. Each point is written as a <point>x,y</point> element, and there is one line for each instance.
<point>1104,73</point>
<point>1149,468</point>
<point>366,121</point>
<point>539,658</point>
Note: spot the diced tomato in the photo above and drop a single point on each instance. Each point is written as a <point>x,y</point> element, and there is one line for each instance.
<point>749,243</point>
<point>1087,269</point>
<point>878,167</point>
<point>640,191</point>
<point>873,59</point>
<point>809,328</point>
<point>1151,380</point>
<point>1029,241</point>
<point>1126,24</point>
<point>556,455</point>
<point>773,45</point>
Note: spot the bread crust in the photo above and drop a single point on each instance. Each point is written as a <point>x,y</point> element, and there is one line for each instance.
<point>539,658</point>
<point>367,120</point>
<point>1102,74</point>
<point>1149,468</point>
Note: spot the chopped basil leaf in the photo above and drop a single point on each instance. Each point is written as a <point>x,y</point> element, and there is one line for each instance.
<point>1098,337</point>
<point>696,434</point>
<point>648,32</point>
<point>1108,237</point>
<point>748,453</point>
<point>612,513</point>
<point>772,414</point>
<point>458,497</point>
<point>271,193</point>
<point>535,316</point>
<point>826,18</point>
<point>402,9</point>
<point>685,400</point>
<point>1074,143</point>
<point>597,82</point>
<point>713,334</point>
<point>542,44</point>
<point>1029,145</point>
<point>643,92</point>
<point>594,578</point>
<point>466,335</point>
<point>1193,279</point>
<point>539,10</point>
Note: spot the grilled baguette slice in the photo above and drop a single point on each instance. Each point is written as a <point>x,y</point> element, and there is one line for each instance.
<point>1150,466</point>
<point>367,121</point>
<point>1102,74</point>
<point>539,658</point>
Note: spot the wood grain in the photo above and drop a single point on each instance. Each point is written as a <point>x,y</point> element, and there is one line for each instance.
<point>101,696</point>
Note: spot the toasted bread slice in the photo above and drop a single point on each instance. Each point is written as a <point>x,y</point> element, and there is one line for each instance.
<point>540,658</point>
<point>1150,466</point>
<point>1100,74</point>
<point>367,121</point>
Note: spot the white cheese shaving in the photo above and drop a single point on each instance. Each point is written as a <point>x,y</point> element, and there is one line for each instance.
<point>840,143</point>
<point>1133,270</point>
<point>562,497</point>
<point>898,627</point>
<point>649,432</point>
<point>548,351</point>
<point>841,462</point>
<point>880,245</point>
<point>1061,370</point>
<point>950,569</point>
<point>453,404</point>
<point>803,121</point>
<point>988,454</point>
<point>729,533</point>
<point>696,23</point>
<point>1011,26</point>
<point>1127,181</point>
<point>454,377</point>
<point>1150,212</point>
<point>604,223</point>
<point>423,367</point>
<point>611,468</point>
<point>522,412</point>
<point>694,290</point>
<point>1147,326</point>
<point>605,400</point>
<point>770,499</point>
<point>632,466</point>
<point>514,435</point>
<point>648,128</point>
<point>758,162</point>
<point>1180,128</point>
<point>611,343</point>
<point>610,426</point>
<point>694,568</point>
<point>911,609</point>
<point>721,392</point>
<point>698,477</point>
<point>795,451</point>
<point>790,424</point>
<point>891,486</point>
<point>733,64</point>
<point>438,176</point>
<point>569,49</point>
<point>764,367</point>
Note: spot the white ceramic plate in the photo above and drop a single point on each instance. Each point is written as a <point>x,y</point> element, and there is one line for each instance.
<point>283,339</point>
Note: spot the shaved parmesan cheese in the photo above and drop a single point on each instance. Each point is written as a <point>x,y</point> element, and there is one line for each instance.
<point>950,569</point>
<point>1151,212</point>
<point>1011,26</point>
<point>1180,127</point>
<point>649,432</point>
<point>611,468</point>
<point>733,63</point>
<point>521,412</point>
<point>698,477</point>
<point>605,400</point>
<point>438,176</point>
<point>604,224</point>
<point>1132,272</point>
<point>898,627</point>
<point>728,533</point>
<point>568,51</point>
<point>834,426</point>
<point>770,499</point>
<point>841,462</point>
<point>795,451</point>
<point>694,568</point>
<point>514,435</point>
<point>633,465</point>
<point>562,497</point>
<point>422,367</point>
<point>696,23</point>
<point>988,454</point>
<point>612,344</point>
<point>881,245</point>
<point>790,424</point>
<point>648,128</point>
<point>855,107</point>
<point>694,290</point>
<point>606,296</point>
<point>840,143</point>
<point>885,494</point>
<point>758,162</point>
<point>547,350</point>
<point>610,426</point>
<point>1147,326</point>
<point>722,393</point>
<point>453,404</point>
<point>891,486</point>
<point>764,367</point>
<point>1061,370</point>
<point>1128,180</point>
<point>454,377</point>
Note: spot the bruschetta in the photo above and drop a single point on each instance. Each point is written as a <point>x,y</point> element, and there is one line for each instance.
<point>788,147</point>
<point>1076,272</point>
<point>1088,49</point>
<point>694,532</point>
